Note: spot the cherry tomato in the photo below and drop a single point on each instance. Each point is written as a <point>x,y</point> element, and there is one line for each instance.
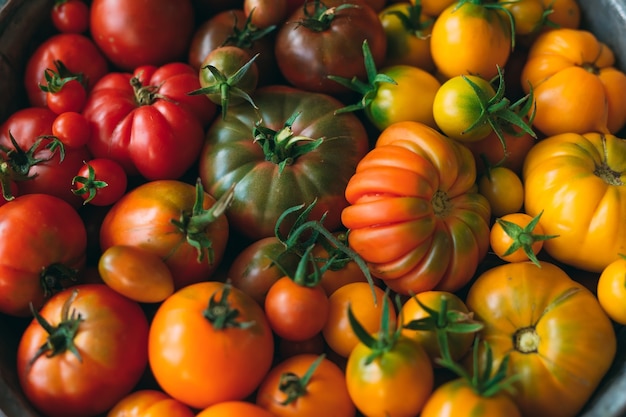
<point>65,95</point>
<point>72,129</point>
<point>504,190</point>
<point>149,403</point>
<point>70,16</point>
<point>101,182</point>
<point>265,13</point>
<point>611,290</point>
<point>136,273</point>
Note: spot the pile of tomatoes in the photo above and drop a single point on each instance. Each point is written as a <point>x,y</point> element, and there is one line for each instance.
<point>323,208</point>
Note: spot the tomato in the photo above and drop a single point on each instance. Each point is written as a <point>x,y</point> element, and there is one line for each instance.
<point>565,13</point>
<point>234,408</point>
<point>209,342</point>
<point>72,129</point>
<point>451,314</point>
<point>136,273</point>
<point>504,190</point>
<point>174,220</point>
<point>611,290</point>
<point>64,93</point>
<point>413,195</point>
<point>578,181</point>
<point>471,37</point>
<point>149,403</point>
<point>275,163</point>
<point>388,374</point>
<point>408,30</point>
<point>559,340</point>
<point>518,237</point>
<point>359,296</point>
<point>231,27</point>
<point>433,8</point>
<point>77,52</point>
<point>491,149</point>
<point>101,182</point>
<point>141,32</point>
<point>42,249</point>
<point>147,122</point>
<point>70,16</point>
<point>305,386</point>
<point>559,63</point>
<point>35,159</point>
<point>71,366</point>
<point>265,13</point>
<point>325,38</point>
<point>529,15</point>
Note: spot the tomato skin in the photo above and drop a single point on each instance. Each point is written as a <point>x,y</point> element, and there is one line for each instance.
<point>234,408</point>
<point>72,97</point>
<point>63,385</point>
<point>413,195</point>
<point>77,52</point>
<point>559,63</point>
<point>396,383</point>
<point>200,364</point>
<point>106,170</point>
<point>39,232</point>
<point>326,392</point>
<point>504,190</point>
<point>70,16</point>
<point>266,13</point>
<point>149,403</point>
<point>141,32</point>
<point>158,139</point>
<point>136,273</point>
<point>560,341</point>
<point>578,181</point>
<point>611,290</point>
<point>457,398</point>
<point>72,129</point>
<point>469,38</point>
<point>305,57</point>
<point>491,149</point>
<point>231,155</point>
<point>143,217</point>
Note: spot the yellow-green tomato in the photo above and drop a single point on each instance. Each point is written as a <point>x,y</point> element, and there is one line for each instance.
<point>136,273</point>
<point>409,99</point>
<point>504,190</point>
<point>408,37</point>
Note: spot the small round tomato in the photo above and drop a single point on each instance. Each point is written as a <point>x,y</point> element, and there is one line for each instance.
<point>149,403</point>
<point>504,190</point>
<point>70,16</point>
<point>101,182</point>
<point>305,386</point>
<point>136,273</point>
<point>65,95</point>
<point>359,296</point>
<point>611,290</point>
<point>265,13</point>
<point>296,310</point>
<point>72,129</point>
<point>565,13</point>
<point>529,15</point>
<point>234,408</point>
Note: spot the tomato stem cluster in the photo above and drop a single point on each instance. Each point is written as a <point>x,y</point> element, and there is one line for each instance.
<point>294,386</point>
<point>221,314</point>
<point>320,18</point>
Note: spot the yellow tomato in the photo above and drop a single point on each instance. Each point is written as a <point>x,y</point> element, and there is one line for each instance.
<point>611,290</point>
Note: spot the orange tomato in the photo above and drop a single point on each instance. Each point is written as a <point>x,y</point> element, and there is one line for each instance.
<point>149,403</point>
<point>565,13</point>
<point>504,190</point>
<point>611,290</point>
<point>234,409</point>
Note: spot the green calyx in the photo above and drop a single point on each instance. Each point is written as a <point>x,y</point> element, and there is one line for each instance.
<point>320,17</point>
<point>60,337</point>
<point>221,314</point>
<point>193,224</point>
<point>368,89</point>
<point>59,76</point>
<point>523,237</point>
<point>491,6</point>
<point>246,37</point>
<point>283,147</point>
<point>90,184</point>
<point>294,386</point>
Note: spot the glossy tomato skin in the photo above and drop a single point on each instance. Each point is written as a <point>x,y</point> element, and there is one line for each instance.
<point>578,181</point>
<point>306,57</point>
<point>72,129</point>
<point>560,341</point>
<point>326,392</point>
<point>201,364</point>
<point>149,403</point>
<point>504,190</point>
<point>143,217</point>
<point>413,194</point>
<point>611,290</point>
<point>76,51</point>
<point>64,385</point>
<point>101,170</point>
<point>141,32</point>
<point>40,233</point>
<point>232,156</point>
<point>234,408</point>
<point>71,16</point>
<point>457,398</point>
<point>157,137</point>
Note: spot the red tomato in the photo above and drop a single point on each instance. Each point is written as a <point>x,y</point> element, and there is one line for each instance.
<point>77,52</point>
<point>43,246</point>
<point>72,129</point>
<point>147,122</point>
<point>64,93</point>
<point>149,403</point>
<point>142,32</point>
<point>83,369</point>
<point>100,181</point>
<point>210,342</point>
<point>70,16</point>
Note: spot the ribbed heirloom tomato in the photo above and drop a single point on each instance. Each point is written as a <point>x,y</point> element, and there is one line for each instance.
<point>414,215</point>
